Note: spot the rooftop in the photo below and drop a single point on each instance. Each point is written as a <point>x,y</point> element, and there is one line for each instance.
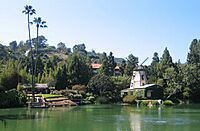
<point>96,66</point>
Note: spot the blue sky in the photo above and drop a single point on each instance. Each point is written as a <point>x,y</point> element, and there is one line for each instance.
<point>140,27</point>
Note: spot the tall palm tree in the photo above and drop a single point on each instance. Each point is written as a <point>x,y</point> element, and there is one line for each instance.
<point>28,10</point>
<point>39,24</point>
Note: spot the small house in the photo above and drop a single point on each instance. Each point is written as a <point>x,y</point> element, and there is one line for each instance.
<point>38,88</point>
<point>140,88</point>
<point>96,67</point>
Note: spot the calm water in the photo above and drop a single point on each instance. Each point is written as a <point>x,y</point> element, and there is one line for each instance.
<point>102,118</point>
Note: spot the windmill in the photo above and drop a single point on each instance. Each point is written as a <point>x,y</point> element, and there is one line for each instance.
<point>139,77</point>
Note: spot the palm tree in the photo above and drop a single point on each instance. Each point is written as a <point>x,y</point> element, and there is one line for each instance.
<point>39,24</point>
<point>30,11</point>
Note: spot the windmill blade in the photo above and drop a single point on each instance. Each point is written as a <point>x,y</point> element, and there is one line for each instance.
<point>129,61</point>
<point>144,60</point>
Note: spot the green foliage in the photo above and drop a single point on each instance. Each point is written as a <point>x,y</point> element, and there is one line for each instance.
<point>155,103</point>
<point>39,42</point>
<point>179,81</point>
<point>153,69</point>
<point>61,47</point>
<point>121,82</point>
<point>194,54</point>
<point>112,64</point>
<point>102,100</point>
<point>90,98</point>
<point>78,70</point>
<point>13,45</point>
<point>129,99</point>
<point>20,87</point>
<point>80,49</point>
<point>122,67</point>
<point>46,96</point>
<point>77,96</point>
<point>100,85</point>
<point>144,103</point>
<point>148,103</point>
<point>105,65</point>
<point>166,59</point>
<point>132,62</point>
<point>51,82</point>
<point>79,87</point>
<point>61,78</point>
<point>12,98</point>
<point>168,103</point>
<point>9,77</point>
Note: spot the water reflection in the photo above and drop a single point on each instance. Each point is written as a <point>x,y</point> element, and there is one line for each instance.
<point>143,118</point>
<point>100,118</point>
<point>27,114</point>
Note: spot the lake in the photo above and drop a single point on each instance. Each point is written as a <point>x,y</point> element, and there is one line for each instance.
<point>102,118</point>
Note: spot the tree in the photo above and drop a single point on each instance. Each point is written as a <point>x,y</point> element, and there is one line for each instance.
<point>153,69</point>
<point>165,62</point>
<point>122,67</point>
<point>39,24</point>
<point>112,64</point>
<point>155,59</point>
<point>24,76</point>
<point>80,50</point>
<point>39,42</point>
<point>192,80</point>
<point>9,77</point>
<point>192,76</point>
<point>21,47</point>
<point>101,85</point>
<point>79,47</point>
<point>61,78</point>
<point>105,65</point>
<point>171,77</point>
<point>166,59</point>
<point>13,45</point>
<point>132,62</point>
<point>121,82</point>
<point>3,53</point>
<point>30,11</point>
<point>78,69</point>
<point>61,47</point>
<point>194,54</point>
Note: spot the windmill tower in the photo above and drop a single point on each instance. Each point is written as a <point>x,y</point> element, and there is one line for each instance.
<point>139,77</point>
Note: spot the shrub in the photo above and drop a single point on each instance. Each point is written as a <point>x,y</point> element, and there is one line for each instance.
<point>101,85</point>
<point>168,103</point>
<point>77,96</point>
<point>79,87</point>
<point>129,99</point>
<point>20,87</point>
<point>12,98</point>
<point>144,103</point>
<point>102,100</point>
<point>82,93</point>
<point>155,103</point>
<point>91,99</point>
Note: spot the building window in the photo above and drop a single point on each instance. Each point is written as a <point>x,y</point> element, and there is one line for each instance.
<point>149,93</point>
<point>142,77</point>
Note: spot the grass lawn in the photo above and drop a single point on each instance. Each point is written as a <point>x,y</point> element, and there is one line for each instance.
<point>45,95</point>
<point>50,95</point>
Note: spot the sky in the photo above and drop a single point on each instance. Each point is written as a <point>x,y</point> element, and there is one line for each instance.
<point>138,27</point>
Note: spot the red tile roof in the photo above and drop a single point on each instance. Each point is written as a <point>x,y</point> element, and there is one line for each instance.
<point>96,66</point>
<point>117,68</point>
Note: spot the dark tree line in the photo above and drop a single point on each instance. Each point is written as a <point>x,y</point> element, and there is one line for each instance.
<point>35,61</point>
<point>181,81</point>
